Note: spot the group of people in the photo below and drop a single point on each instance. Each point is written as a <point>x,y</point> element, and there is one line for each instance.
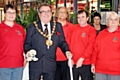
<point>95,49</point>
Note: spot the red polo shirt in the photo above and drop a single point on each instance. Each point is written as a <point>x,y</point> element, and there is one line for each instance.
<point>67,29</point>
<point>82,43</point>
<point>106,56</point>
<point>11,45</point>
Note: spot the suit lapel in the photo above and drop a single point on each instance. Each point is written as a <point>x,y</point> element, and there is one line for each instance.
<point>53,37</point>
<point>51,25</point>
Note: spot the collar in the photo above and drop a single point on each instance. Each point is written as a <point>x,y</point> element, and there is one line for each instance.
<point>66,24</point>
<point>118,29</point>
<point>49,27</point>
<point>44,24</point>
<point>83,26</point>
<point>3,22</point>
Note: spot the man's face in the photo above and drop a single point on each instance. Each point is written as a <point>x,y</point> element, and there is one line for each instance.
<point>113,21</point>
<point>62,14</point>
<point>45,14</point>
<point>10,15</point>
<point>82,19</point>
<point>96,20</point>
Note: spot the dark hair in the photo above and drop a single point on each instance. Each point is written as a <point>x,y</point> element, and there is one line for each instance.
<point>6,7</point>
<point>82,11</point>
<point>97,14</point>
<point>44,4</point>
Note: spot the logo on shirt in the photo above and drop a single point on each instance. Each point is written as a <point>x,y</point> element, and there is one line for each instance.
<point>6,30</point>
<point>18,32</point>
<point>115,39</point>
<point>83,35</point>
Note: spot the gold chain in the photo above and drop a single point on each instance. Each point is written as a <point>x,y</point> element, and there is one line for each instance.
<point>46,36</point>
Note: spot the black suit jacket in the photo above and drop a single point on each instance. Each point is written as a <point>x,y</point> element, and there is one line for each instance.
<point>46,57</point>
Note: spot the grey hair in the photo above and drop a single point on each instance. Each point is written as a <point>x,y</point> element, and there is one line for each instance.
<point>108,16</point>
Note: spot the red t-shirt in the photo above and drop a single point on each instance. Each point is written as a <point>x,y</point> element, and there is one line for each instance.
<point>11,45</point>
<point>82,43</point>
<point>67,29</point>
<point>106,55</point>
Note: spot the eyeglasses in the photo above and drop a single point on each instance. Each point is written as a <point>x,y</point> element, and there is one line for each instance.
<point>44,12</point>
<point>11,12</point>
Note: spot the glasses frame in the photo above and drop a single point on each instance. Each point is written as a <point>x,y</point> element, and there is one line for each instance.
<point>44,12</point>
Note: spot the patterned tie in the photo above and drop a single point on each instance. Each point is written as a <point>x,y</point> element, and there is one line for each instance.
<point>46,29</point>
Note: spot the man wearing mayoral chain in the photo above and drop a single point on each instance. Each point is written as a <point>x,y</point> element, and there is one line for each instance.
<point>44,36</point>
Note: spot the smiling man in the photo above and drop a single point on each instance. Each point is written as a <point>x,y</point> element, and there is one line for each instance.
<point>82,47</point>
<point>44,36</point>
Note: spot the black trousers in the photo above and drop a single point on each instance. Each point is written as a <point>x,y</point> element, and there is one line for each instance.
<point>62,70</point>
<point>84,72</point>
<point>37,75</point>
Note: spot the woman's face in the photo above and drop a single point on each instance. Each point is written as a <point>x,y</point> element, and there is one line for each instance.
<point>10,15</point>
<point>97,20</point>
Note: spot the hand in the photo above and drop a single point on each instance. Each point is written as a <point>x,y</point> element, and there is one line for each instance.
<point>25,62</point>
<point>31,55</point>
<point>27,55</point>
<point>79,62</point>
<point>93,69</point>
<point>69,54</point>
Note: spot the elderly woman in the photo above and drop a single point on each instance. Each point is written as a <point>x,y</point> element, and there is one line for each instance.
<point>106,55</point>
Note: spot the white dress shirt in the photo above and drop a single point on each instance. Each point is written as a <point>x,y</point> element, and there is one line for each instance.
<point>49,29</point>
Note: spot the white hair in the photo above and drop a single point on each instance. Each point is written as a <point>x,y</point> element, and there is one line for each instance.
<point>111,13</point>
<point>108,16</point>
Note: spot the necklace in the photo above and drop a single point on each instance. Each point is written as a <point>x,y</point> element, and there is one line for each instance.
<point>49,42</point>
